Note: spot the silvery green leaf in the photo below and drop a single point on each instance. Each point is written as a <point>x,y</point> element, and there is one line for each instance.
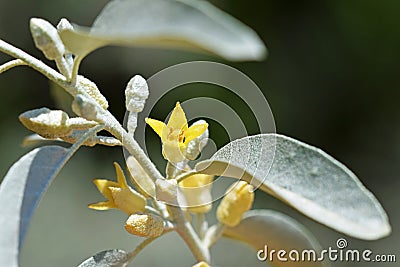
<point>20,192</point>
<point>306,178</point>
<point>269,230</point>
<point>107,258</point>
<point>188,24</point>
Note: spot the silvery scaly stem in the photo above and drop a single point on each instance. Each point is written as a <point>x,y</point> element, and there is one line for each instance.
<point>139,248</point>
<point>201,225</point>
<point>116,129</point>
<point>11,64</point>
<point>94,140</point>
<point>186,231</point>
<point>63,66</point>
<point>213,234</point>
<point>168,227</point>
<point>38,65</point>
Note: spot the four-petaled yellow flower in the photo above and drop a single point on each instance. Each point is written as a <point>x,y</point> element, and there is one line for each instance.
<point>176,135</point>
<point>119,195</point>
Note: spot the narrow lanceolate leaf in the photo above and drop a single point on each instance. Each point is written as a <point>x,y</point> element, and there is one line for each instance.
<point>188,24</point>
<point>269,230</point>
<point>306,178</point>
<point>107,258</point>
<point>20,192</point>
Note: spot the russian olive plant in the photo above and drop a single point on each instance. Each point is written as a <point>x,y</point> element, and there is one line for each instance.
<point>157,202</point>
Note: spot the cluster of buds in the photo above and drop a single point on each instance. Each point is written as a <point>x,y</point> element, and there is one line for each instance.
<point>53,123</point>
<point>46,38</point>
<point>57,125</point>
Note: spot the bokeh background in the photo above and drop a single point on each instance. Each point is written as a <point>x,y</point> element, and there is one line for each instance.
<point>331,79</point>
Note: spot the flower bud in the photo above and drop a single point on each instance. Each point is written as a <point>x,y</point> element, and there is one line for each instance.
<point>196,146</point>
<point>85,107</point>
<point>91,89</point>
<point>136,93</point>
<point>197,192</point>
<point>46,38</point>
<point>64,24</point>
<point>127,200</point>
<point>201,264</point>
<point>238,199</point>
<point>47,123</point>
<point>146,225</point>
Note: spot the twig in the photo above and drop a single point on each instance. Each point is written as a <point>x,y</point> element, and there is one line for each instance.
<point>213,234</point>
<point>185,230</point>
<point>11,64</point>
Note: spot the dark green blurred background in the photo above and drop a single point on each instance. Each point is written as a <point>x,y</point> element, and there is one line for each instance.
<point>331,80</point>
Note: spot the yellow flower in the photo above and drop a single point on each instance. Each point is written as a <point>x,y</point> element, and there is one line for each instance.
<point>119,195</point>
<point>235,203</point>
<point>197,191</point>
<point>175,135</point>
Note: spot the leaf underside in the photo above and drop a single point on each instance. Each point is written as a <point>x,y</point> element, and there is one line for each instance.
<point>260,228</point>
<point>20,192</point>
<point>304,177</point>
<point>107,258</point>
<point>187,24</point>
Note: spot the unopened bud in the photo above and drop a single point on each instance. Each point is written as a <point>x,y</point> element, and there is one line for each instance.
<point>46,38</point>
<point>146,225</point>
<point>236,202</point>
<point>85,107</point>
<point>195,146</point>
<point>91,89</point>
<point>47,123</point>
<point>197,192</point>
<point>128,200</point>
<point>201,264</point>
<point>64,24</point>
<point>136,93</point>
